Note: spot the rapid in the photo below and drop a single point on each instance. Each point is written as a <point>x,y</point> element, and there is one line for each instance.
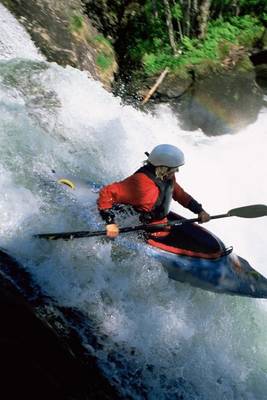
<point>157,339</point>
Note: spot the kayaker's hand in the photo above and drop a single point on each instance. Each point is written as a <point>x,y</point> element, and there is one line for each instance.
<point>112,230</point>
<point>203,217</point>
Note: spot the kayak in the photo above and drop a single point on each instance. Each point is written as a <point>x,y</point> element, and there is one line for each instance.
<point>190,254</point>
<point>227,273</point>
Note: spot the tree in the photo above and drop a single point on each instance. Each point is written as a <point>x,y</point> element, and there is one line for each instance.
<point>188,17</point>
<point>170,26</point>
<point>177,13</point>
<point>203,17</point>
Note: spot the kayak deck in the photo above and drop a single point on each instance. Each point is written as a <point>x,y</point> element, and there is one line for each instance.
<point>228,274</point>
<point>192,254</point>
<point>190,240</point>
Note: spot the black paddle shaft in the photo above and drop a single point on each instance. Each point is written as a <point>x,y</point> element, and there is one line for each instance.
<point>252,211</point>
<point>148,228</point>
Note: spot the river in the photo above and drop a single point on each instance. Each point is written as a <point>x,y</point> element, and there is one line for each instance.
<point>156,338</point>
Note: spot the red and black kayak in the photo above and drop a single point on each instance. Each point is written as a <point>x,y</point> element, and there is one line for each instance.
<point>194,255</point>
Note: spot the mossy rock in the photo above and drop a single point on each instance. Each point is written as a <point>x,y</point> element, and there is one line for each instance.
<point>63,33</point>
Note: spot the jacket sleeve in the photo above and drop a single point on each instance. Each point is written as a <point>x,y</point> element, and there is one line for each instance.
<point>185,199</point>
<point>137,190</point>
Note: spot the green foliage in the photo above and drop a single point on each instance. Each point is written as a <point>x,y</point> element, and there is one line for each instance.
<point>228,8</point>
<point>101,39</point>
<point>220,29</point>
<point>245,64</point>
<point>221,36</point>
<point>177,11</point>
<point>104,61</point>
<point>76,23</point>
<point>255,7</point>
<point>250,29</point>
<point>226,25</point>
<point>149,32</point>
<point>230,25</point>
<point>105,56</point>
<point>189,44</point>
<point>105,53</point>
<point>156,62</point>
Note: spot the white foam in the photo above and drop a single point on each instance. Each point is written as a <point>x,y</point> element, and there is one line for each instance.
<point>154,332</point>
<point>15,42</point>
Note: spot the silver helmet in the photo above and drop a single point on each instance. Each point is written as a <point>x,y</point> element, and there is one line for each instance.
<point>166,155</point>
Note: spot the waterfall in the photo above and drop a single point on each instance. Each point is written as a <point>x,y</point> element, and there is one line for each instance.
<point>158,339</point>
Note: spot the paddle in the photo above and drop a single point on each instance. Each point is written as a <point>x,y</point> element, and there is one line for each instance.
<point>253,211</point>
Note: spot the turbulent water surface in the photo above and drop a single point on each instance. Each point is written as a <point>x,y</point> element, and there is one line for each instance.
<point>157,338</point>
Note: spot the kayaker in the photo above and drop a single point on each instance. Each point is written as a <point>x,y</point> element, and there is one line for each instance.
<point>149,191</point>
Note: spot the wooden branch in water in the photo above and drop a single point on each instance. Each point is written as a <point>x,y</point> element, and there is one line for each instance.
<point>154,87</point>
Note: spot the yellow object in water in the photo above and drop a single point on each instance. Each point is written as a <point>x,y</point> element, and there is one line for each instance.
<point>67,182</point>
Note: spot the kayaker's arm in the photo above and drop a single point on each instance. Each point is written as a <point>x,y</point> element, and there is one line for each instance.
<point>136,190</point>
<point>107,198</point>
<point>189,202</point>
<point>194,206</point>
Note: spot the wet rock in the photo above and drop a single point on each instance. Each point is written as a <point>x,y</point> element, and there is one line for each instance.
<point>64,34</point>
<point>174,87</point>
<point>259,57</point>
<point>261,76</point>
<point>221,103</point>
<point>36,362</point>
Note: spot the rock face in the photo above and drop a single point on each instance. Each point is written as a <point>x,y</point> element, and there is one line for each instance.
<point>174,87</point>
<point>259,59</point>
<point>221,103</point>
<point>217,103</point>
<point>36,362</point>
<point>64,34</point>
<point>261,76</point>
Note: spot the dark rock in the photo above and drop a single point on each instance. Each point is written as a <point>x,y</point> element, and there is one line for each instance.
<point>36,363</point>
<point>261,76</point>
<point>259,57</point>
<point>221,103</point>
<point>174,87</point>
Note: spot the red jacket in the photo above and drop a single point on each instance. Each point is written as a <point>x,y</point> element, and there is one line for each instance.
<point>139,191</point>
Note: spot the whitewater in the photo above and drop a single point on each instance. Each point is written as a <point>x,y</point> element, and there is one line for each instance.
<point>157,339</point>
